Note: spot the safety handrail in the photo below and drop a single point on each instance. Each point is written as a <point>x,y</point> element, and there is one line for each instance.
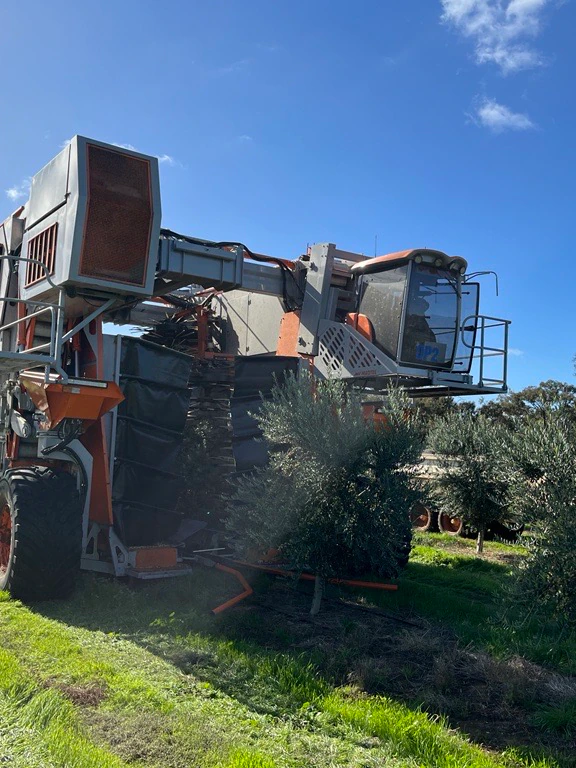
<point>25,259</point>
<point>486,322</point>
<point>47,354</point>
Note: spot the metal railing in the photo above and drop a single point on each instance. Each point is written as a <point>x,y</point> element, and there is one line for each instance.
<point>483,323</point>
<point>49,354</point>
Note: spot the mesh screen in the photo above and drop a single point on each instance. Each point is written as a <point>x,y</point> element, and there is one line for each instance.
<point>119,217</point>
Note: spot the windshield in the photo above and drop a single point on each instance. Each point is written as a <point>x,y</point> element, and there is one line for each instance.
<point>382,302</point>
<point>431,318</point>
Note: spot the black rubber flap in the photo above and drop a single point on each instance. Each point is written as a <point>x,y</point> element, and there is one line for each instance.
<point>153,363</point>
<point>149,431</point>
<point>254,381</point>
<point>144,527</point>
<point>137,484</point>
<point>155,447</point>
<point>161,406</point>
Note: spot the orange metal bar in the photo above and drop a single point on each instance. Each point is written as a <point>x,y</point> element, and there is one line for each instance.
<point>21,341</point>
<point>202,316</point>
<point>94,440</point>
<point>30,331</point>
<point>235,600</point>
<point>12,445</point>
<point>288,335</point>
<point>312,577</point>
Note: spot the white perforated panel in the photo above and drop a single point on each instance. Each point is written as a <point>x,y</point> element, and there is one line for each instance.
<point>344,353</point>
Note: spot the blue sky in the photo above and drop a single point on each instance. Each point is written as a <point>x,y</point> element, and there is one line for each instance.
<point>448,125</point>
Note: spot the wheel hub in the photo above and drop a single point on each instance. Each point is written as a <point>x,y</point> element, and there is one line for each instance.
<point>451,524</point>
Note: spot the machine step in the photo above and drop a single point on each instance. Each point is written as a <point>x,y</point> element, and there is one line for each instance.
<point>181,569</point>
<point>153,558</point>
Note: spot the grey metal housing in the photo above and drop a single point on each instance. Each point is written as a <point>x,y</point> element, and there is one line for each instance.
<point>59,195</point>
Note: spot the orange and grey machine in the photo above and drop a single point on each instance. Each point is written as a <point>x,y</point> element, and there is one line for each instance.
<point>88,248</point>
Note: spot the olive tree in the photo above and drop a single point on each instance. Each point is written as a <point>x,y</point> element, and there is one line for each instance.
<point>336,494</point>
<point>475,480</point>
<point>544,453</point>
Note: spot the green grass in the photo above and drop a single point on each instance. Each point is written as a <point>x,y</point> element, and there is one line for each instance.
<point>447,583</point>
<point>559,718</point>
<point>118,677</point>
<point>464,545</point>
<point>262,709</point>
<point>39,727</point>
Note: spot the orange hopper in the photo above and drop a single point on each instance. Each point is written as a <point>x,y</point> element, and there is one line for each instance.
<point>87,401</point>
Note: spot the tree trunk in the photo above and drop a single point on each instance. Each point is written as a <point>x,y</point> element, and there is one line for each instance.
<point>480,540</point>
<point>318,592</point>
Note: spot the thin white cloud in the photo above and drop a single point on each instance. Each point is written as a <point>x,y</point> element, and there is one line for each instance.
<point>268,47</point>
<point>515,352</point>
<point>164,159</point>
<point>19,191</point>
<point>244,138</point>
<point>502,30</point>
<point>499,118</point>
<point>233,68</point>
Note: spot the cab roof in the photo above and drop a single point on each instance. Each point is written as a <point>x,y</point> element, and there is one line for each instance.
<point>398,258</point>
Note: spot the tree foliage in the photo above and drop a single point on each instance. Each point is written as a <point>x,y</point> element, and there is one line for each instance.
<point>512,409</point>
<point>544,453</point>
<point>475,481</point>
<point>430,409</point>
<point>336,495</point>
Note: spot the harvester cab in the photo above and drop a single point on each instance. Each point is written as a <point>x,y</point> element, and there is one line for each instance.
<point>91,425</point>
<point>417,308</point>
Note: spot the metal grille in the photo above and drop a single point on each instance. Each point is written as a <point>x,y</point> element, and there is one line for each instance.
<point>332,349</point>
<point>340,351</point>
<point>118,219</point>
<point>42,248</point>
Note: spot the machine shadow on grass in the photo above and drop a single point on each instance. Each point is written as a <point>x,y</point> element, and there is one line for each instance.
<point>441,646</point>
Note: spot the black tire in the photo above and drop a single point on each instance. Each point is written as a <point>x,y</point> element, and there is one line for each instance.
<point>44,536</point>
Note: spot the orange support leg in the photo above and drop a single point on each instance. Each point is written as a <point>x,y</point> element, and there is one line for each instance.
<point>235,600</point>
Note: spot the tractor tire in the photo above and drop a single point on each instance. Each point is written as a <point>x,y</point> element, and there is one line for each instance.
<point>423,518</point>
<point>454,526</point>
<point>40,533</point>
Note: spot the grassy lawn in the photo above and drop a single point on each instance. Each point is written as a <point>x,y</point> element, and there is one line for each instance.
<point>469,594</point>
<point>445,582</point>
<point>147,677</point>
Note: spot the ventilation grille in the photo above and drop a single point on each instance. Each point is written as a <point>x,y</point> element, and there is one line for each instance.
<point>118,219</point>
<point>42,248</point>
<point>341,352</point>
<point>332,349</point>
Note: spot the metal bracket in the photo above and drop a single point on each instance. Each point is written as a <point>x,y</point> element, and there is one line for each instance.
<point>316,297</point>
<point>120,556</point>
